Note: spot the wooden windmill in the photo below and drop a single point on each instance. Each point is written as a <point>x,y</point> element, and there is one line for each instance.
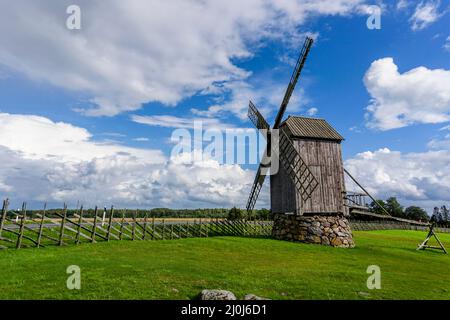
<point>310,178</point>
<point>295,167</point>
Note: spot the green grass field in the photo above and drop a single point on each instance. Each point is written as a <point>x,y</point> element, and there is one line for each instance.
<point>180,269</point>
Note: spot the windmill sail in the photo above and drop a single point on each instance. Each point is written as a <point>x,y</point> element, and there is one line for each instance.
<point>256,188</point>
<point>257,118</point>
<point>304,182</point>
<point>294,79</point>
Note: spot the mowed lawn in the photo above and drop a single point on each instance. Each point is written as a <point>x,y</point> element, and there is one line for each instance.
<point>180,269</point>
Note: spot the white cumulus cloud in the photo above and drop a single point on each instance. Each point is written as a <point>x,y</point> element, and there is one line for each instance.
<point>420,95</point>
<point>419,178</point>
<point>132,52</point>
<point>41,160</point>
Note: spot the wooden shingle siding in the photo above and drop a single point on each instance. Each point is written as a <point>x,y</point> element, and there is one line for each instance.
<point>324,158</point>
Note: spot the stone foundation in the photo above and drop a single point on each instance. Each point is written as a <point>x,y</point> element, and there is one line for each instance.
<point>326,230</point>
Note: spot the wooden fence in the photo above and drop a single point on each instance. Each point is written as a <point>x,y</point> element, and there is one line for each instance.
<point>19,231</point>
<point>357,225</point>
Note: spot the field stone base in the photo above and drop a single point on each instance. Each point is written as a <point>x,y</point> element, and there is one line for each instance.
<point>325,230</point>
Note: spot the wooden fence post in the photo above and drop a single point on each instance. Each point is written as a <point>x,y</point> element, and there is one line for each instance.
<point>163,228</point>
<point>22,222</point>
<point>77,241</point>
<point>121,225</point>
<point>195,228</point>
<point>111,214</point>
<point>41,225</point>
<point>171,231</point>
<point>63,222</point>
<point>153,228</point>
<point>133,229</point>
<point>94,228</point>
<point>145,226</point>
<point>216,227</point>
<point>4,212</point>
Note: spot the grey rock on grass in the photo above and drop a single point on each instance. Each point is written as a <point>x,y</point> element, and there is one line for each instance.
<point>217,295</point>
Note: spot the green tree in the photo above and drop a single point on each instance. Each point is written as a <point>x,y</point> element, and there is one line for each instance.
<point>264,214</point>
<point>416,213</point>
<point>394,208</point>
<point>376,209</point>
<point>445,213</point>
<point>235,214</point>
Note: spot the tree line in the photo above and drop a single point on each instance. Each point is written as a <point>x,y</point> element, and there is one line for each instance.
<point>233,213</point>
<point>440,215</point>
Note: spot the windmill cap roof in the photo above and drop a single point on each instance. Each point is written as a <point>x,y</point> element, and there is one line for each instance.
<point>303,127</point>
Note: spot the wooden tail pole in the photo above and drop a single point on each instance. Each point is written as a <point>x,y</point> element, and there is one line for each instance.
<point>424,245</point>
<point>363,189</point>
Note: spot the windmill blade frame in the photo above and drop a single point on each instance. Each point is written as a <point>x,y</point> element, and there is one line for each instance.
<point>293,81</point>
<point>256,189</point>
<point>257,118</point>
<point>259,121</point>
<point>296,168</point>
<point>261,124</point>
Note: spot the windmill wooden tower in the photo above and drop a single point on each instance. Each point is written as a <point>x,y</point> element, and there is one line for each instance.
<point>308,190</point>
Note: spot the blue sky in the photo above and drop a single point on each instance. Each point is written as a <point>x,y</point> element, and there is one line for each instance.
<point>91,82</point>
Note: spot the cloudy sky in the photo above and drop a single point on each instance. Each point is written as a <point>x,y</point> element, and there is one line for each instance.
<point>87,115</point>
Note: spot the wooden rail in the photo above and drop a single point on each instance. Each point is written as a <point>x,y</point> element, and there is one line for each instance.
<point>77,229</point>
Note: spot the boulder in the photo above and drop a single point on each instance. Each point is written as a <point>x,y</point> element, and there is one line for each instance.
<point>217,295</point>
